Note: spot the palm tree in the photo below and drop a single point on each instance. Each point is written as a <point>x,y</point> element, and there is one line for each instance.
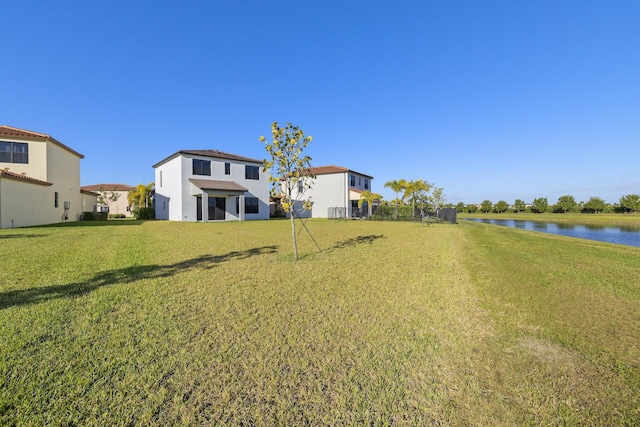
<point>416,191</point>
<point>369,197</point>
<point>141,196</point>
<point>397,185</point>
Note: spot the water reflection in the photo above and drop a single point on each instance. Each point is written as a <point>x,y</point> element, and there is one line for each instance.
<point>619,234</point>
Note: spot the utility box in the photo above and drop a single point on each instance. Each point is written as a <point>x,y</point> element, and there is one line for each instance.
<point>67,204</point>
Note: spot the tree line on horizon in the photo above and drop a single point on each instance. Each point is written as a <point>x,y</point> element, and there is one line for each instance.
<point>629,203</point>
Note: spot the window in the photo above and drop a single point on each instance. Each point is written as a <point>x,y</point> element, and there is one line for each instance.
<point>201,167</point>
<point>14,152</point>
<point>366,183</point>
<point>227,168</point>
<point>359,181</point>
<point>55,199</point>
<point>251,172</point>
<point>160,178</point>
<point>300,186</point>
<point>352,180</point>
<point>250,205</point>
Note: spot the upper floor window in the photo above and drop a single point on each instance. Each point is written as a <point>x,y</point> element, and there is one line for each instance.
<point>366,183</point>
<point>227,168</point>
<point>201,167</point>
<point>300,186</point>
<point>352,180</point>
<point>251,172</point>
<point>14,152</point>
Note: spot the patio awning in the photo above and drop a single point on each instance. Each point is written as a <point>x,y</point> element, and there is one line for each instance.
<point>228,187</point>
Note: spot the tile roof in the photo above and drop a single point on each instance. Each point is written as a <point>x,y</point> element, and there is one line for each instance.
<point>16,133</point>
<point>212,184</point>
<point>5,173</point>
<point>323,170</point>
<point>217,154</point>
<point>108,187</point>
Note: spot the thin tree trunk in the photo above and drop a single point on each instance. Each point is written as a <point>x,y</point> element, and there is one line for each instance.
<point>293,235</point>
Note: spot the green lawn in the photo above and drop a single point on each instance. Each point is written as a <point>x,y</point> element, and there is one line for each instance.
<point>147,323</point>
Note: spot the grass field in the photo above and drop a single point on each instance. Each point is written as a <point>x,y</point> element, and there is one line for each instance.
<point>162,323</point>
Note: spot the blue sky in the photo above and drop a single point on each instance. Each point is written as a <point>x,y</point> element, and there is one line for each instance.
<point>489,100</point>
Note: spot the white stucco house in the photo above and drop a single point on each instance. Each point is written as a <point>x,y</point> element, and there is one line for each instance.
<point>39,179</point>
<point>335,192</point>
<point>121,193</point>
<point>210,185</point>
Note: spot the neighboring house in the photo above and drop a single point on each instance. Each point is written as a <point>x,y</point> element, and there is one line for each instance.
<point>210,185</point>
<point>121,191</point>
<point>89,201</point>
<point>335,192</point>
<point>39,179</point>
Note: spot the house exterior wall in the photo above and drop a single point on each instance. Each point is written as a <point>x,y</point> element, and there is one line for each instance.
<point>176,198</point>
<point>334,190</point>
<point>89,202</point>
<point>29,204</point>
<point>21,204</point>
<point>63,170</point>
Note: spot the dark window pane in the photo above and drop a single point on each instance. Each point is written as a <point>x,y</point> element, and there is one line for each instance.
<point>251,172</point>
<point>251,205</point>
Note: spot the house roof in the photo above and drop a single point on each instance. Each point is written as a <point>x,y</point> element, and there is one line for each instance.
<point>212,184</point>
<point>90,193</point>
<point>324,170</point>
<point>108,187</point>
<point>217,154</point>
<point>5,173</point>
<point>23,134</point>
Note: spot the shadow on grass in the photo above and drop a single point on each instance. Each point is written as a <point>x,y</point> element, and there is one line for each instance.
<point>122,276</point>
<point>20,236</point>
<point>74,224</point>
<point>357,241</point>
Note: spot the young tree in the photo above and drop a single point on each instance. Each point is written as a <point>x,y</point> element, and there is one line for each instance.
<point>519,206</point>
<point>486,206</point>
<point>105,197</point>
<point>397,186</point>
<point>437,199</point>
<point>460,207</point>
<point>630,203</point>
<point>288,167</point>
<point>369,197</point>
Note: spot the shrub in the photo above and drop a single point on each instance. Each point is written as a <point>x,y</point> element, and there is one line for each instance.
<point>118,215</point>
<point>88,216</point>
<point>144,213</point>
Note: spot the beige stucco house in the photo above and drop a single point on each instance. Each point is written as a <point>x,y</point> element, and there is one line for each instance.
<point>120,191</point>
<point>39,179</point>
<point>334,192</point>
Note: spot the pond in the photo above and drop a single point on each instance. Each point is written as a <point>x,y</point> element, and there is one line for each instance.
<point>619,234</point>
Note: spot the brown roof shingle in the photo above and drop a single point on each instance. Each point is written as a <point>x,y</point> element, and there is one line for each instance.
<point>108,187</point>
<point>16,133</point>
<point>4,173</point>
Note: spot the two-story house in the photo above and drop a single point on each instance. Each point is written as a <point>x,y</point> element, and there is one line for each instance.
<point>335,192</point>
<point>210,185</point>
<point>115,198</point>
<point>39,179</point>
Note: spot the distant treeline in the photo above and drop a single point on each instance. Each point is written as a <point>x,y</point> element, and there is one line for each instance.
<point>627,204</point>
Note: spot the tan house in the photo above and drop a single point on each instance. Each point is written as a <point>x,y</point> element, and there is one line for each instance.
<point>39,179</point>
<point>116,196</point>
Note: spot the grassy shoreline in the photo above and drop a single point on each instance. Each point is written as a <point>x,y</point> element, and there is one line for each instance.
<point>577,218</point>
<point>139,323</point>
